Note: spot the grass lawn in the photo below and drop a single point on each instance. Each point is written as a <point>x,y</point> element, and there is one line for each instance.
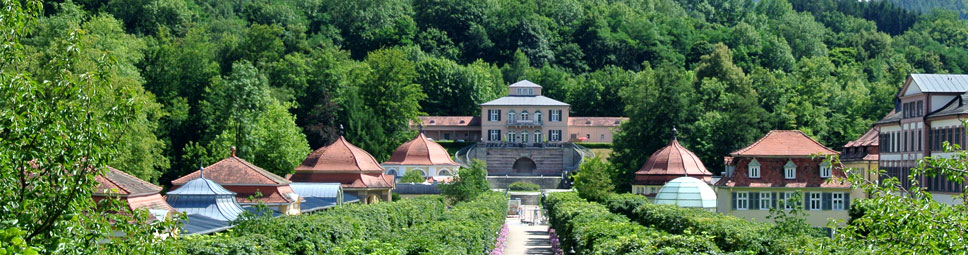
<point>603,153</point>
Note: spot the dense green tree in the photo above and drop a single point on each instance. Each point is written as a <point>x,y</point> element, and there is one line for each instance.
<point>593,180</point>
<point>471,182</point>
<point>413,177</point>
<point>454,90</point>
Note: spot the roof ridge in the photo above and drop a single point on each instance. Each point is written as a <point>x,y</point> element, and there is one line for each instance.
<point>158,188</point>
<point>352,153</point>
<point>115,183</point>
<point>263,172</point>
<point>741,150</point>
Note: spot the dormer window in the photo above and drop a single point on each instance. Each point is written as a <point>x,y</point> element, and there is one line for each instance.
<point>754,168</point>
<point>790,170</point>
<point>824,170</point>
<point>433,121</point>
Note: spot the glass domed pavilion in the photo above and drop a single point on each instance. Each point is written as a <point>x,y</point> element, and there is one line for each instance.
<point>687,192</point>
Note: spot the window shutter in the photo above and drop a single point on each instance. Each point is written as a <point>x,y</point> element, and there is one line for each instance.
<point>847,200</point>
<point>806,200</point>
<point>498,115</point>
<point>775,204</point>
<point>734,200</point>
<point>754,200</point>
<point>827,200</point>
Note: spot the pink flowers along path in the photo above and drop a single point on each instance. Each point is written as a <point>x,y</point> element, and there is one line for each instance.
<point>526,239</point>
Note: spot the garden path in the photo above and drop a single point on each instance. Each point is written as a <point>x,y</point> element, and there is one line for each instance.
<point>523,238</point>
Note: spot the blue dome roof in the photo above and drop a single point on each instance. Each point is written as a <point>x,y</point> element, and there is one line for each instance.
<point>206,198</point>
<point>687,192</point>
<point>201,186</point>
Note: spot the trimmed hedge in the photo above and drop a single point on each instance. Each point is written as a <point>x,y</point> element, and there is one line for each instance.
<point>731,234</point>
<point>524,186</point>
<point>421,225</point>
<point>589,228</point>
<point>595,145</point>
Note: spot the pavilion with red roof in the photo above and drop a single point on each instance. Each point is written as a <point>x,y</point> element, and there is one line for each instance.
<point>248,181</point>
<point>341,162</point>
<point>668,163</point>
<point>427,157</point>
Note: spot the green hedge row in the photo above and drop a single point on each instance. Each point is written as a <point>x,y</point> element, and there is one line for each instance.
<point>589,228</point>
<point>596,145</point>
<point>524,186</point>
<point>729,233</point>
<point>421,225</point>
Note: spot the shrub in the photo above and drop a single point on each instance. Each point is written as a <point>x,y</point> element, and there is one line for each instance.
<point>524,186</point>
<point>413,177</point>
<point>589,228</point>
<point>471,182</point>
<point>596,145</point>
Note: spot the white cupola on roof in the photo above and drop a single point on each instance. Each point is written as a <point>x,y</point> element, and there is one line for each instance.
<point>524,88</point>
<point>687,192</point>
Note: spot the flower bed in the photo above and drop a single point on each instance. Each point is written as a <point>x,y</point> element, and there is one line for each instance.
<point>501,242</point>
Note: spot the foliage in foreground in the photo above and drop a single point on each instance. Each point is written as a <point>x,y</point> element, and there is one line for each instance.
<point>420,225</point>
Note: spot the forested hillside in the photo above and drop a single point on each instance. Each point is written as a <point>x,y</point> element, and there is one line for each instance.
<point>276,78</point>
<point>960,6</point>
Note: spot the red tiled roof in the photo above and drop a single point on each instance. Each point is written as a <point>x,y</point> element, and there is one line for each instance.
<point>420,151</point>
<point>348,180</point>
<point>772,174</point>
<point>596,121</point>
<point>117,182</point>
<point>234,171</point>
<point>340,157</point>
<point>670,162</point>
<point>450,120</point>
<point>245,179</point>
<point>138,193</point>
<point>868,139</point>
<point>784,143</point>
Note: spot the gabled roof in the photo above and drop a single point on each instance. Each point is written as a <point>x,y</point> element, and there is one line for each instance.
<point>596,121</point>
<point>117,182</point>
<point>340,157</point>
<point>524,84</point>
<point>420,151</point>
<point>937,83</point>
<point>235,171</point>
<point>671,162</point>
<point>868,139</point>
<point>470,121</point>
<point>784,143</point>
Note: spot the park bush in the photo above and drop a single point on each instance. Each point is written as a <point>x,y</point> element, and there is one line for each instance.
<point>524,186</point>
<point>589,228</point>
<point>421,225</point>
<point>731,234</point>
<point>591,145</point>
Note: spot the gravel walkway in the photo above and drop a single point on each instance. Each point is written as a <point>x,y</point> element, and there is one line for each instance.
<point>526,239</point>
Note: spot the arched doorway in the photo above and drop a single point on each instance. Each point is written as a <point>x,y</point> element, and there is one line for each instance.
<point>524,166</point>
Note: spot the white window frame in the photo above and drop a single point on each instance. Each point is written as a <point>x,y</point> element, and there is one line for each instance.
<point>537,117</point>
<point>766,200</point>
<point>555,135</point>
<point>511,137</point>
<point>493,114</point>
<point>825,170</point>
<point>493,135</point>
<point>537,136</point>
<point>742,200</point>
<point>511,116</point>
<point>837,201</point>
<point>754,169</point>
<point>524,136</point>
<point>787,205</point>
<point>555,115</point>
<point>790,170</point>
<point>524,115</point>
<point>816,204</point>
